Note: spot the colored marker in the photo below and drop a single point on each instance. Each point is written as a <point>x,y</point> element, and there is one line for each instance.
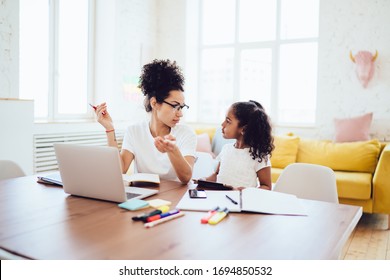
<point>162,215</point>
<point>144,216</point>
<point>219,216</point>
<point>164,208</point>
<point>94,107</point>
<point>206,218</point>
<point>163,220</point>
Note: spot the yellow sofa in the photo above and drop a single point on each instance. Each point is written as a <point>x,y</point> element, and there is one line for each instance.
<point>362,168</point>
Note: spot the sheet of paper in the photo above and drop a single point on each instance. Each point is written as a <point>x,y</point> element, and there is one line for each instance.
<point>270,202</point>
<point>214,199</point>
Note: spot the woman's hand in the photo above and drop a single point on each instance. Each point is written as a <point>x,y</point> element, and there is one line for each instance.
<point>165,144</point>
<point>103,117</point>
<point>181,165</point>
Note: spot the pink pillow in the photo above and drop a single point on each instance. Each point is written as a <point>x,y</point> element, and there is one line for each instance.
<point>204,144</point>
<point>353,129</point>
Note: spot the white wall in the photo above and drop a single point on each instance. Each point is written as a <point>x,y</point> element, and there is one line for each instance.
<point>353,25</point>
<point>171,30</point>
<point>17,116</point>
<point>177,35</point>
<point>16,136</point>
<point>9,49</point>
<point>125,40</point>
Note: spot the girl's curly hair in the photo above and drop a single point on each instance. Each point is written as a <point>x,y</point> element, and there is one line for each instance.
<point>158,78</point>
<point>257,128</point>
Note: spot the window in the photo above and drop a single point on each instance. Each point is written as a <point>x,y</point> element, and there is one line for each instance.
<point>264,50</point>
<point>55,57</point>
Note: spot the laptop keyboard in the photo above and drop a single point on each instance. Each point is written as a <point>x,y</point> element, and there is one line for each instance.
<point>132,195</point>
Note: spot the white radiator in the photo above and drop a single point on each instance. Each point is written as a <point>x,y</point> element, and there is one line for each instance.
<point>44,155</point>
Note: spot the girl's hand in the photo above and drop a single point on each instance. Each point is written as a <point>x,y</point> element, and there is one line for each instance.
<point>165,144</point>
<point>238,188</point>
<point>103,117</point>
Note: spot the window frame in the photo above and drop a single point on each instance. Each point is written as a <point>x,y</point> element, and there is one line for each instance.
<point>273,45</point>
<point>53,63</point>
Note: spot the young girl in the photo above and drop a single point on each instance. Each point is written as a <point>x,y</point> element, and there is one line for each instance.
<point>247,161</point>
<point>160,145</point>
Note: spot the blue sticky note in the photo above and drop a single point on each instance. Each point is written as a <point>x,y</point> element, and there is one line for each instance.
<point>133,204</point>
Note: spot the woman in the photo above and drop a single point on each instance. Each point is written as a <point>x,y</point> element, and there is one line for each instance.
<point>161,145</point>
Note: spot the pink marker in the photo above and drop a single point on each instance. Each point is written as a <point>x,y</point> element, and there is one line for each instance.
<point>211,213</point>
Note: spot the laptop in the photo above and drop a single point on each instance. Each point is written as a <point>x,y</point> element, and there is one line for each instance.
<point>95,172</point>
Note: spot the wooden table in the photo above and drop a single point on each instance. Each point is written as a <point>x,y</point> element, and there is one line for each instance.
<point>42,222</point>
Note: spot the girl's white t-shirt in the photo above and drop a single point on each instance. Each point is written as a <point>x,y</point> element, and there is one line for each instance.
<point>238,168</point>
<point>139,141</point>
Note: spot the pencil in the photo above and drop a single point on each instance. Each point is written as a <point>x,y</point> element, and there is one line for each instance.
<point>171,217</point>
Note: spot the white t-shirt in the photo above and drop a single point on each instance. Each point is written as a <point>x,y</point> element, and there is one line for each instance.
<point>140,142</point>
<point>237,168</point>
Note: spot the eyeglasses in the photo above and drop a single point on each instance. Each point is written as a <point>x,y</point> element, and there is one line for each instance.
<point>177,107</point>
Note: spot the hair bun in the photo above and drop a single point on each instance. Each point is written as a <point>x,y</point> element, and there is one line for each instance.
<point>161,76</point>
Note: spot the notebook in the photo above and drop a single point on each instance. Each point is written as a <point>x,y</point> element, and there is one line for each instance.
<point>136,179</point>
<point>146,179</point>
<point>95,172</point>
<point>248,200</point>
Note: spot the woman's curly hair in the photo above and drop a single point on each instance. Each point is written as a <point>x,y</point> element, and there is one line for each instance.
<point>158,78</point>
<point>257,128</point>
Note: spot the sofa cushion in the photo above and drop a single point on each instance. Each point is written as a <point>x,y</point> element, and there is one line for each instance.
<point>349,156</point>
<point>206,129</point>
<point>203,144</point>
<point>354,185</point>
<point>353,129</point>
<point>285,152</point>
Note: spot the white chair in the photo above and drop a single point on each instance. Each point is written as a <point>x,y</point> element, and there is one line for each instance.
<point>308,181</point>
<point>10,169</point>
<point>204,165</point>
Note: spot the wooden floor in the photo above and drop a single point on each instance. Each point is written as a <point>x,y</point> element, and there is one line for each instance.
<point>370,240</point>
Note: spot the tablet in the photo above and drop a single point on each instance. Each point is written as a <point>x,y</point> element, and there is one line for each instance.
<point>202,184</point>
